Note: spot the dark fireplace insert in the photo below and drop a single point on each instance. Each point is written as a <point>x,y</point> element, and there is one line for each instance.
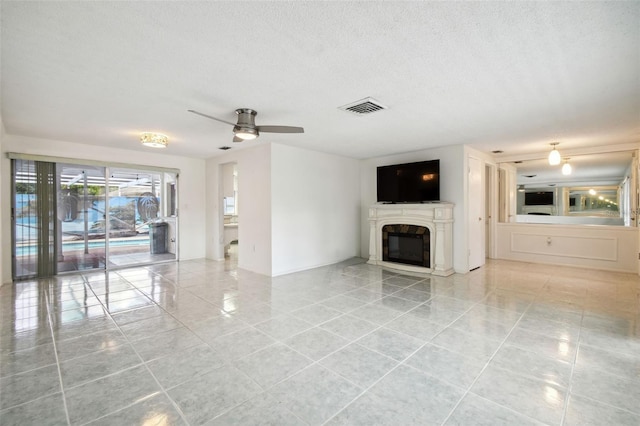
<point>408,244</point>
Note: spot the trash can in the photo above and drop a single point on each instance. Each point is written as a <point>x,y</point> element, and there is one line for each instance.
<point>158,237</point>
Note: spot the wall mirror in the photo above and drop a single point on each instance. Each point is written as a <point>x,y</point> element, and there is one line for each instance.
<point>583,189</point>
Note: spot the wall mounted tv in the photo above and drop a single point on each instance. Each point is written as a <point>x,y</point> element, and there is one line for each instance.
<point>542,198</point>
<point>409,183</point>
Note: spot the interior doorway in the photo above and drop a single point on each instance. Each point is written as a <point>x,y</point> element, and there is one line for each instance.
<point>230,210</point>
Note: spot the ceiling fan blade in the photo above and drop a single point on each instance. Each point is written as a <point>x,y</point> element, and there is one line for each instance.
<point>280,129</point>
<point>237,139</point>
<point>213,118</point>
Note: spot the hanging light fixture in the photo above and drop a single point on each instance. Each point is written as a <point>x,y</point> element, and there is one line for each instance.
<point>554,155</point>
<point>154,140</point>
<point>566,167</point>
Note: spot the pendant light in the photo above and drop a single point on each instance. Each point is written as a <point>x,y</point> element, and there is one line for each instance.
<point>554,155</point>
<point>566,167</point>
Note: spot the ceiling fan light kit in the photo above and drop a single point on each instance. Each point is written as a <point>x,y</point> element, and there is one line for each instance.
<point>246,129</point>
<point>245,133</point>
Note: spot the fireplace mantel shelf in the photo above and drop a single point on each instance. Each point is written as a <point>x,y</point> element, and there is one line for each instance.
<point>437,217</point>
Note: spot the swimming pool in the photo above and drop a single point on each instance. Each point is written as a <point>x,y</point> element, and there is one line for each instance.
<point>79,245</point>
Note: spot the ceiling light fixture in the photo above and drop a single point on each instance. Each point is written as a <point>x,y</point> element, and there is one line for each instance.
<point>154,140</point>
<point>520,188</point>
<point>554,155</point>
<point>592,191</point>
<point>566,167</point>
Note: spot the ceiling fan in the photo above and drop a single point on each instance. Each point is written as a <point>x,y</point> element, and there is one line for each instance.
<point>246,129</point>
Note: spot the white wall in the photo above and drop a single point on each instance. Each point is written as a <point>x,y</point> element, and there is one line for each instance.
<point>227,180</point>
<point>289,198</point>
<point>2,212</point>
<point>254,199</point>
<point>315,201</point>
<point>191,188</point>
<point>452,188</point>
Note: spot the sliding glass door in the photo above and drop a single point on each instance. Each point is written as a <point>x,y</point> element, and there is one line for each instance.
<point>141,228</point>
<point>81,217</point>
<point>74,217</point>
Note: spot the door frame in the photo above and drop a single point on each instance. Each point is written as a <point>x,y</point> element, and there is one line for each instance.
<point>472,223</point>
<point>491,207</point>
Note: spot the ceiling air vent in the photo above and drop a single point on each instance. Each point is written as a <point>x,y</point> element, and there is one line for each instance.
<point>224,148</point>
<point>363,106</point>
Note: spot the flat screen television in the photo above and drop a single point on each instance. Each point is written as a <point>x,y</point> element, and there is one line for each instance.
<point>541,198</point>
<point>410,182</point>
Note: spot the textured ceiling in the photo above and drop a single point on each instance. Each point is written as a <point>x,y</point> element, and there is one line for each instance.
<point>509,76</point>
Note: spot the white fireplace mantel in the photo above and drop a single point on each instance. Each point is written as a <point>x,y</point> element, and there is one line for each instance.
<point>437,217</point>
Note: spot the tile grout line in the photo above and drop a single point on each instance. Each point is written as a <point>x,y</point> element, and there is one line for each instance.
<point>493,355</point>
<point>485,367</point>
<point>162,389</point>
<point>228,364</point>
<point>318,362</point>
<point>313,362</point>
<point>402,362</point>
<point>55,352</point>
<point>573,366</point>
<point>225,360</point>
<point>479,374</point>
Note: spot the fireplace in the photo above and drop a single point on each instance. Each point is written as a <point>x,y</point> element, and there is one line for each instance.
<point>412,237</point>
<point>408,244</point>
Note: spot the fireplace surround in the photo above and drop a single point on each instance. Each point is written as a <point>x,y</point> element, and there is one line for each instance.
<point>432,223</point>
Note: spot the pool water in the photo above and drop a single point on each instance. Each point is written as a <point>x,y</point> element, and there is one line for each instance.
<point>79,245</point>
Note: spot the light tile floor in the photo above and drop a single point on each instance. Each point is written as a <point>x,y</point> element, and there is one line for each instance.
<point>203,342</point>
